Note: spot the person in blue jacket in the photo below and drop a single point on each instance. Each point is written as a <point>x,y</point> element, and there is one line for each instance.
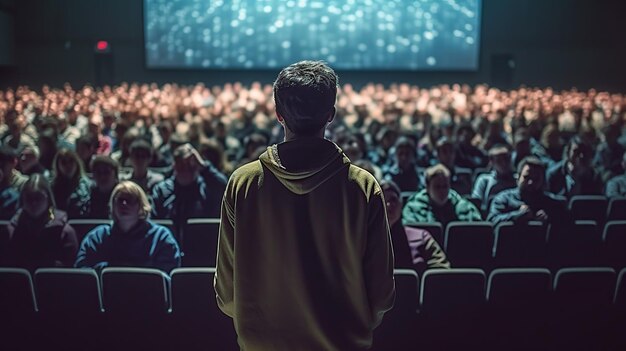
<point>132,240</point>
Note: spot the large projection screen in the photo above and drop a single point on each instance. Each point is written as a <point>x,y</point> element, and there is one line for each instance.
<point>348,34</point>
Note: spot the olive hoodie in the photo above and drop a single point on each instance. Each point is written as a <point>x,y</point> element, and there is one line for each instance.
<point>304,258</point>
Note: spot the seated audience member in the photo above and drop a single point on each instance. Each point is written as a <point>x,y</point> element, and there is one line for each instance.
<point>194,191</point>
<point>9,196</point>
<point>29,162</point>
<point>521,146</point>
<point>468,155</point>
<point>616,187</point>
<point>488,185</point>
<point>404,170</point>
<point>608,157</point>
<point>95,205</point>
<point>213,152</point>
<point>86,149</point>
<point>39,234</point>
<point>8,162</point>
<point>132,240</point>
<point>574,175</point>
<point>460,178</point>
<point>68,179</point>
<point>550,148</point>
<point>413,248</point>
<point>528,201</point>
<point>141,153</point>
<point>439,203</point>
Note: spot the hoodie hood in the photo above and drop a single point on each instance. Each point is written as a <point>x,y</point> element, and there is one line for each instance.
<point>302,165</point>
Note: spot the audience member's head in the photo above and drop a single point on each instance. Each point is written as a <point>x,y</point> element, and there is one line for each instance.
<point>438,184</point>
<point>305,94</point>
<point>129,204</point>
<point>531,175</point>
<point>579,155</point>
<point>140,153</point>
<point>105,172</point>
<point>405,153</point>
<point>446,154</point>
<point>36,197</point>
<point>500,158</point>
<point>67,166</point>
<point>8,161</point>
<point>393,200</point>
<point>187,163</point>
<point>86,147</point>
<point>29,159</point>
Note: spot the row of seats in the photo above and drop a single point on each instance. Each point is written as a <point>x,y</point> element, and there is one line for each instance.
<point>481,245</point>
<point>146,305</point>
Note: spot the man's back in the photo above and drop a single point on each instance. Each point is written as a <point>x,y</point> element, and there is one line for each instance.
<point>305,259</point>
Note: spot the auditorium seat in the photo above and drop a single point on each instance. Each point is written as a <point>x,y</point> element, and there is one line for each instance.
<point>616,209</point>
<point>469,244</point>
<point>434,228</point>
<point>82,226</point>
<point>398,327</point>
<point>589,208</point>
<point>518,300</point>
<point>620,291</point>
<point>582,305</point>
<point>200,242</point>
<point>451,309</point>
<point>70,305</point>
<point>135,290</point>
<point>452,290</point>
<point>614,239</point>
<point>194,310</point>
<point>18,310</point>
<point>68,291</point>
<point>520,245</point>
<point>136,304</point>
<point>578,246</point>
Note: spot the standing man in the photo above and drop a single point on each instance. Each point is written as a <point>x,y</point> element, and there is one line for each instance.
<point>305,260</point>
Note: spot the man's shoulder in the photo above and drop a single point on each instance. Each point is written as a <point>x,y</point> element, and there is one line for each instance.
<point>247,171</point>
<point>364,179</point>
<point>507,194</point>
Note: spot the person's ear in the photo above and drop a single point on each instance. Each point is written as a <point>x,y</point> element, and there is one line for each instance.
<point>332,115</point>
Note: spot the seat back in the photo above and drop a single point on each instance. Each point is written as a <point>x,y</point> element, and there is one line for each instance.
<point>68,291</point>
<point>445,291</point>
<point>614,240</point>
<point>519,288</point>
<point>620,292</point>
<point>135,291</point>
<point>17,293</point>
<point>589,207</point>
<point>585,288</point>
<point>407,291</point>
<point>520,245</point>
<point>616,209</point>
<point>469,244</point>
<point>577,246</point>
<point>200,242</point>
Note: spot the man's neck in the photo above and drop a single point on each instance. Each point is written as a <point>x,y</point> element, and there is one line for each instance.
<point>140,173</point>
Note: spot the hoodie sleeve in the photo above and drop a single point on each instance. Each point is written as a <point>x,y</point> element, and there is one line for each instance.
<point>500,210</point>
<point>167,253</point>
<point>224,274</point>
<point>90,255</point>
<point>378,261</point>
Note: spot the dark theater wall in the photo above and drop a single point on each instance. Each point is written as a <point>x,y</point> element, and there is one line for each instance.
<point>559,43</point>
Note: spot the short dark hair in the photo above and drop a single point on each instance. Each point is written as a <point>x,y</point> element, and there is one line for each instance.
<point>7,154</point>
<point>531,161</point>
<point>37,182</point>
<point>105,161</point>
<point>140,145</point>
<point>305,94</point>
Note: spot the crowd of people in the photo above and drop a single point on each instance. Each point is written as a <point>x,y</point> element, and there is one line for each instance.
<point>138,151</point>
